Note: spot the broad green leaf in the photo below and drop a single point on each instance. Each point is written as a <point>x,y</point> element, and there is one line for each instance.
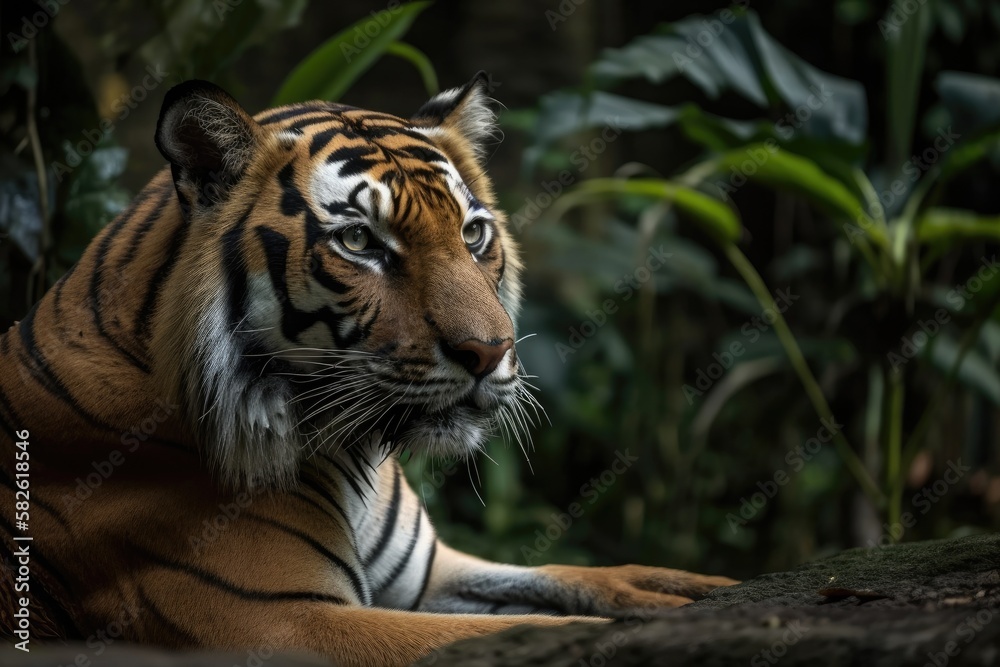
<point>620,249</point>
<point>327,72</point>
<point>564,113</point>
<point>975,372</point>
<point>821,104</point>
<point>968,153</point>
<point>972,100</point>
<point>950,225</point>
<point>718,219</point>
<point>783,169</point>
<point>906,46</point>
<point>719,134</point>
<point>741,57</point>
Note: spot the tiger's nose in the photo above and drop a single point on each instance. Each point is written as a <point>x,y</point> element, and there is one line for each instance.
<point>477,357</point>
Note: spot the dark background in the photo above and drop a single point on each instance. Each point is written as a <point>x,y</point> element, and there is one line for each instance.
<point>623,390</point>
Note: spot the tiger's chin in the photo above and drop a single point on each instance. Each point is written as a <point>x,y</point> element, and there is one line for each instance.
<point>454,432</point>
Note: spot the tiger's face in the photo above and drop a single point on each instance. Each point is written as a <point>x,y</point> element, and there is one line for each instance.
<point>370,284</point>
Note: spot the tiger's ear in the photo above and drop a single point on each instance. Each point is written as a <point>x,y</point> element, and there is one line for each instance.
<point>464,111</point>
<point>208,139</point>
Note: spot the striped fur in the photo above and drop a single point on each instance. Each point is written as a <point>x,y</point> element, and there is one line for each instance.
<point>216,394</point>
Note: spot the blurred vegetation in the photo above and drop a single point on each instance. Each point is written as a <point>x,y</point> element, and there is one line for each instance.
<point>740,228</point>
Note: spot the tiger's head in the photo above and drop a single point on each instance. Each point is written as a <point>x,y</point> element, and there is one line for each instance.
<point>348,279</point>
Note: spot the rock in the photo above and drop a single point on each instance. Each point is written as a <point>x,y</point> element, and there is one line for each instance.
<point>931,603</point>
<point>925,604</point>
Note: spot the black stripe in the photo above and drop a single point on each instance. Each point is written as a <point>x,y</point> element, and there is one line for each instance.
<point>405,560</point>
<point>404,214</point>
<point>97,275</point>
<point>324,278</point>
<point>323,493</point>
<point>314,229</point>
<point>144,317</point>
<point>351,153</point>
<point>144,227</point>
<point>297,110</point>
<point>234,269</point>
<point>366,328</point>
<point>62,283</point>
<point>363,116</point>
<point>321,139</point>
<point>427,575</point>
<point>337,208</point>
<point>215,581</point>
<point>389,179</point>
<point>423,153</point>
<point>394,130</point>
<point>292,201</point>
<point>360,312</point>
<point>356,584</point>
<point>300,125</point>
<point>390,521</point>
<point>352,198</point>
<point>347,476</point>
<point>44,376</point>
<point>319,508</point>
<point>355,158</point>
<point>362,472</point>
<point>189,640</point>
<point>293,320</point>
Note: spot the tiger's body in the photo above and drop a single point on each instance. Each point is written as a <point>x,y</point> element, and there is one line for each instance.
<point>215,395</point>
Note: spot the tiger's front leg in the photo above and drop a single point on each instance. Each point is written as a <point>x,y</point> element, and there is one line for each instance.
<point>461,583</point>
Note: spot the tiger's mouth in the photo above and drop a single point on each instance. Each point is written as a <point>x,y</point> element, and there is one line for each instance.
<point>455,429</point>
<point>342,411</point>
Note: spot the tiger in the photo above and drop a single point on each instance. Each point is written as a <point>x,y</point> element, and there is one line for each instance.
<point>210,407</point>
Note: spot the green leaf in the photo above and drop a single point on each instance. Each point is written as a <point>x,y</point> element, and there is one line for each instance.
<point>833,108</point>
<point>950,225</point>
<point>968,153</point>
<point>202,39</point>
<point>904,66</point>
<point>783,169</point>
<point>420,61</point>
<point>972,100</point>
<point>565,113</point>
<point>718,219</point>
<point>720,134</point>
<point>975,372</point>
<point>327,72</point>
<point>741,57</point>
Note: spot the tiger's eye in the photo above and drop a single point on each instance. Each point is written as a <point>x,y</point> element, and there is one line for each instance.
<point>472,233</point>
<point>355,238</point>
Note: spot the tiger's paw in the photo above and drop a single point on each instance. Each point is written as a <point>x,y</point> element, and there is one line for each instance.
<point>615,589</point>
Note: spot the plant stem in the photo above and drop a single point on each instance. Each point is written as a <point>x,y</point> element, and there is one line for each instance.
<point>37,277</point>
<point>813,390</point>
<point>894,448</point>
